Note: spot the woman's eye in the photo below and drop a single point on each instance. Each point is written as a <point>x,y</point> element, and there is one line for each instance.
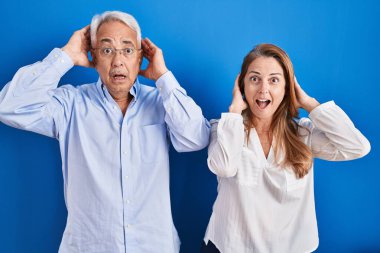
<point>254,79</point>
<point>275,80</point>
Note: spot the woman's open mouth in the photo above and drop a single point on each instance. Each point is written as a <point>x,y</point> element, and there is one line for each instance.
<point>263,103</point>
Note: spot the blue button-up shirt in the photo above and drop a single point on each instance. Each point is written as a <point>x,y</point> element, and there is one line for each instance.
<point>115,167</point>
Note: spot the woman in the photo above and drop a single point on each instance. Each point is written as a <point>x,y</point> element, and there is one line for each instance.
<point>263,158</point>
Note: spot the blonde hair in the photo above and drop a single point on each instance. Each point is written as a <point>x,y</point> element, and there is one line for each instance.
<point>284,127</point>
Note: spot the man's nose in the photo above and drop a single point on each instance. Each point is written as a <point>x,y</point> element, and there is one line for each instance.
<point>117,59</point>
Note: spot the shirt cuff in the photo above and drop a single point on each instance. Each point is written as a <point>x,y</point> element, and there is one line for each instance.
<point>166,83</point>
<point>232,115</point>
<point>60,60</point>
<point>320,108</point>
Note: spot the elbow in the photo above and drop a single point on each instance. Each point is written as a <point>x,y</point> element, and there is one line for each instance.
<point>221,170</point>
<point>359,150</point>
<point>202,137</point>
<point>191,140</point>
<point>365,148</point>
<point>191,145</point>
<point>3,112</point>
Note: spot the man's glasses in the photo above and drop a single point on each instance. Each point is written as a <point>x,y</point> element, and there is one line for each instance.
<point>109,52</point>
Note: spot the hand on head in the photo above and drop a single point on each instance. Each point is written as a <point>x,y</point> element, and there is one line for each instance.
<point>303,99</point>
<point>78,47</point>
<point>156,66</point>
<point>238,104</point>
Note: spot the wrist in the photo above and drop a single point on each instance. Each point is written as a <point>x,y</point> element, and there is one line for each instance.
<point>311,104</point>
<point>234,109</point>
<point>161,73</point>
<point>67,50</point>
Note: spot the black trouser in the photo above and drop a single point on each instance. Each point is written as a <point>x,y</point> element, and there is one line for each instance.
<point>209,248</point>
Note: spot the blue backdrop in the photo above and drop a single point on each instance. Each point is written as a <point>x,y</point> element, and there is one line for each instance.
<point>334,46</point>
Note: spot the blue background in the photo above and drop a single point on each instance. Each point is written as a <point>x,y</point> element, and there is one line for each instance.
<point>334,46</point>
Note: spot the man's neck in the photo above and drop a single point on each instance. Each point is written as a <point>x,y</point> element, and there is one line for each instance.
<point>123,102</point>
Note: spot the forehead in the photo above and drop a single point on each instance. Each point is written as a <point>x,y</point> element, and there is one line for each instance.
<point>265,65</point>
<point>115,32</point>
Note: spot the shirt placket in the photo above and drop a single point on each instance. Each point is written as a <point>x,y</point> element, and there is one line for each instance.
<point>127,177</point>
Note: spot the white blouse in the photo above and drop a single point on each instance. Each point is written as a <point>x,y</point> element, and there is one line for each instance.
<point>260,206</point>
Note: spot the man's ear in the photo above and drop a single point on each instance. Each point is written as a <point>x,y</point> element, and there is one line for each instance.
<point>93,56</point>
<point>140,59</point>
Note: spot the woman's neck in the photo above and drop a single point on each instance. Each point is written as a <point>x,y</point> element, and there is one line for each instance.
<point>262,125</point>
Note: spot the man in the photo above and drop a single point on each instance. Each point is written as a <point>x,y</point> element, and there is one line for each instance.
<point>113,135</point>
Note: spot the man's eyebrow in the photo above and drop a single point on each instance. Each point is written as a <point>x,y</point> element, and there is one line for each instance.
<point>128,42</point>
<point>273,74</point>
<point>254,72</point>
<point>106,40</point>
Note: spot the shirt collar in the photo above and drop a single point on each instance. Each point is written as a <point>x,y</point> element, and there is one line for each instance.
<point>134,91</point>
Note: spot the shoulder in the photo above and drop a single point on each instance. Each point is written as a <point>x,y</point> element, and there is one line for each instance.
<point>149,95</point>
<point>146,89</point>
<point>74,93</point>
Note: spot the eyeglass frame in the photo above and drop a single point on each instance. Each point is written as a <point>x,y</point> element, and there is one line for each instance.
<point>115,50</point>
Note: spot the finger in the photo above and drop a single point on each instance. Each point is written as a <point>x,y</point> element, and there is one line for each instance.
<point>144,43</point>
<point>85,29</point>
<point>148,56</point>
<point>237,80</point>
<point>236,83</point>
<point>296,82</point>
<point>150,43</point>
<point>146,48</point>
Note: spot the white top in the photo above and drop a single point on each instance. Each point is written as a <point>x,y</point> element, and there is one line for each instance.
<point>260,206</point>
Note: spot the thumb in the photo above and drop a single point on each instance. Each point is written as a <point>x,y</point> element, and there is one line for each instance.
<point>142,72</point>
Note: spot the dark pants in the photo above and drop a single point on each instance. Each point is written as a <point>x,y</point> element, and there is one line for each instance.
<point>209,248</point>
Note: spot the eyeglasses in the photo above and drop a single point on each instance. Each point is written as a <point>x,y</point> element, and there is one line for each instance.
<point>109,52</point>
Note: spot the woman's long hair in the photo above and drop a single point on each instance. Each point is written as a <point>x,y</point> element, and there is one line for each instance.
<point>283,127</point>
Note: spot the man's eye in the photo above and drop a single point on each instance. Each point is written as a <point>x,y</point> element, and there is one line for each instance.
<point>107,51</point>
<point>128,50</point>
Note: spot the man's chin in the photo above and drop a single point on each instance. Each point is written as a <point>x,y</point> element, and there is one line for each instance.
<point>119,86</point>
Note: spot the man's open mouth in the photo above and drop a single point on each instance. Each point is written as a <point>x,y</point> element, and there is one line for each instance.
<point>118,76</point>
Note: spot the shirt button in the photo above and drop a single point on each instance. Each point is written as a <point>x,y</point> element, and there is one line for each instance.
<point>56,55</point>
<point>114,107</point>
<point>128,201</point>
<point>125,152</point>
<point>128,226</point>
<point>126,177</point>
<point>62,61</point>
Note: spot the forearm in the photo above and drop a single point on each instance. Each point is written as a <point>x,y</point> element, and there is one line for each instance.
<point>189,130</point>
<point>24,98</point>
<point>226,145</point>
<point>335,135</point>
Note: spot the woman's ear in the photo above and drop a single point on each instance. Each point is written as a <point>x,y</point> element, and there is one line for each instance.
<point>241,87</point>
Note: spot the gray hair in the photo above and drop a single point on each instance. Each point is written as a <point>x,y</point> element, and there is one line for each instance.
<point>123,17</point>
